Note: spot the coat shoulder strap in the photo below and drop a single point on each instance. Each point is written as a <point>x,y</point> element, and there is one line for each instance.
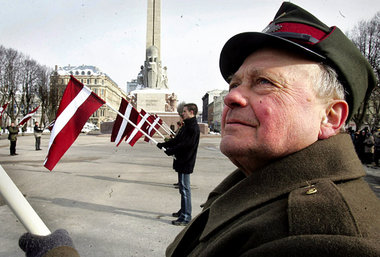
<point>320,209</point>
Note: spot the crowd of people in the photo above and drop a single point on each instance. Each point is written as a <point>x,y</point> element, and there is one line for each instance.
<point>367,145</point>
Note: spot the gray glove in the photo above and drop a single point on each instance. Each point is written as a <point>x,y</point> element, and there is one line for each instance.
<point>37,246</point>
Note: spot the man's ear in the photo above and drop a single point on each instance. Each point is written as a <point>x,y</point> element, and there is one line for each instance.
<point>334,119</point>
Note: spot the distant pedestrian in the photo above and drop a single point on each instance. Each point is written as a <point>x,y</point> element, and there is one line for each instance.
<point>369,143</point>
<point>12,137</point>
<point>37,134</point>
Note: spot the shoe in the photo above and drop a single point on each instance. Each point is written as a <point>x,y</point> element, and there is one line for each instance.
<point>180,222</point>
<point>175,184</point>
<point>176,214</point>
<point>15,154</point>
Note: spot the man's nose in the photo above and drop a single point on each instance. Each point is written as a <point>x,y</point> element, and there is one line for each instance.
<point>235,98</point>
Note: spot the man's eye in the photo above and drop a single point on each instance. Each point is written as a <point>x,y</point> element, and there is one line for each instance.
<point>233,85</point>
<point>263,81</point>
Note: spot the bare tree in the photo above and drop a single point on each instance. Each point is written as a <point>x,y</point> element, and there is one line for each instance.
<point>11,81</point>
<point>29,81</point>
<point>56,90</point>
<point>42,92</point>
<point>366,36</point>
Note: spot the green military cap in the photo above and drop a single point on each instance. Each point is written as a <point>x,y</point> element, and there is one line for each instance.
<point>295,29</point>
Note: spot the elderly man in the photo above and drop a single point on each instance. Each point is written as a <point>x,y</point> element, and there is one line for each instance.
<point>298,189</point>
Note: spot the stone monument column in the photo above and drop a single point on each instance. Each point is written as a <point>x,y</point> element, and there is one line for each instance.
<point>153,30</point>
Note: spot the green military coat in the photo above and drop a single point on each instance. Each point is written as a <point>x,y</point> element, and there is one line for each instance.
<point>310,203</point>
<point>13,131</point>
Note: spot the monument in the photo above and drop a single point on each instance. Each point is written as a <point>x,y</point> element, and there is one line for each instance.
<point>150,91</point>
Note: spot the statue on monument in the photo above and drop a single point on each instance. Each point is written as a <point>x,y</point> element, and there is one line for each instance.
<point>152,68</point>
<point>171,103</point>
<point>152,75</point>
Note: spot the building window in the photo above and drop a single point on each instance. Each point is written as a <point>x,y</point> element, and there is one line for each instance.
<point>83,73</point>
<point>88,81</point>
<point>81,80</point>
<point>77,73</point>
<point>88,72</point>
<point>102,91</point>
<point>95,90</point>
<point>95,81</point>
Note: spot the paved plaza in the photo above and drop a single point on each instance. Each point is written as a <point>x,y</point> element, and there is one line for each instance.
<point>114,201</point>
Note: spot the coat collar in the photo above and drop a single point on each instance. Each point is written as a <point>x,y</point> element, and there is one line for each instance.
<point>333,158</point>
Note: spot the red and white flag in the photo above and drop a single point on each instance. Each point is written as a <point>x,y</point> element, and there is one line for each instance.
<point>122,127</point>
<point>77,105</point>
<point>141,125</point>
<point>156,123</point>
<point>2,109</point>
<point>28,116</point>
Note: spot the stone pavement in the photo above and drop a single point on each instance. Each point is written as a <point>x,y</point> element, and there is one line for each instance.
<point>113,201</point>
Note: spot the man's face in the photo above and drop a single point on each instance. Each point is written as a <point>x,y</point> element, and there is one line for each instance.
<point>186,114</point>
<point>271,109</point>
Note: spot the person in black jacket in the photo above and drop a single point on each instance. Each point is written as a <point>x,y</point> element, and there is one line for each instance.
<point>184,149</point>
<point>37,134</point>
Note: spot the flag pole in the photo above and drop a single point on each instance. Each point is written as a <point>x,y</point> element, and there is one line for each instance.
<point>152,126</point>
<point>165,127</point>
<point>20,206</point>
<point>130,122</point>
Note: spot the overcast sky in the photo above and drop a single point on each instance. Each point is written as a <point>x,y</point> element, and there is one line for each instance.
<point>111,34</point>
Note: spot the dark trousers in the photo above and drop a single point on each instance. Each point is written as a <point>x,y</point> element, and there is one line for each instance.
<point>185,191</point>
<point>13,147</point>
<point>377,157</point>
<point>38,143</point>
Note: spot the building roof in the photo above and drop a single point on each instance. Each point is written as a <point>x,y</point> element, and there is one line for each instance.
<point>84,70</point>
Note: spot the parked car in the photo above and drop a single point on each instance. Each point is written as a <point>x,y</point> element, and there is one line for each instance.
<point>89,127</point>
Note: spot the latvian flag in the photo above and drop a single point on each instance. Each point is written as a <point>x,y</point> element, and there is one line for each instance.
<point>156,123</point>
<point>121,127</point>
<point>141,125</point>
<point>28,116</point>
<point>2,109</point>
<point>77,105</point>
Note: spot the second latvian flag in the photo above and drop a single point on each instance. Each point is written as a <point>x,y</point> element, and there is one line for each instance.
<point>77,105</point>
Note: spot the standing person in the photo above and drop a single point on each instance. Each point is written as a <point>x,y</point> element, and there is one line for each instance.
<point>369,143</point>
<point>184,147</point>
<point>13,132</point>
<point>37,134</point>
<point>298,189</point>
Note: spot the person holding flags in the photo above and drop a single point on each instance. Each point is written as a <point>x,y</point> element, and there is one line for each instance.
<point>12,137</point>
<point>184,148</point>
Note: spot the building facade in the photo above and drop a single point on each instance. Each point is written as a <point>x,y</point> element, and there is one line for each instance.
<point>218,111</point>
<point>100,83</point>
<point>208,102</point>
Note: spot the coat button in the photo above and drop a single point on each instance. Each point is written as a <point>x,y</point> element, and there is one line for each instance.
<point>311,191</point>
